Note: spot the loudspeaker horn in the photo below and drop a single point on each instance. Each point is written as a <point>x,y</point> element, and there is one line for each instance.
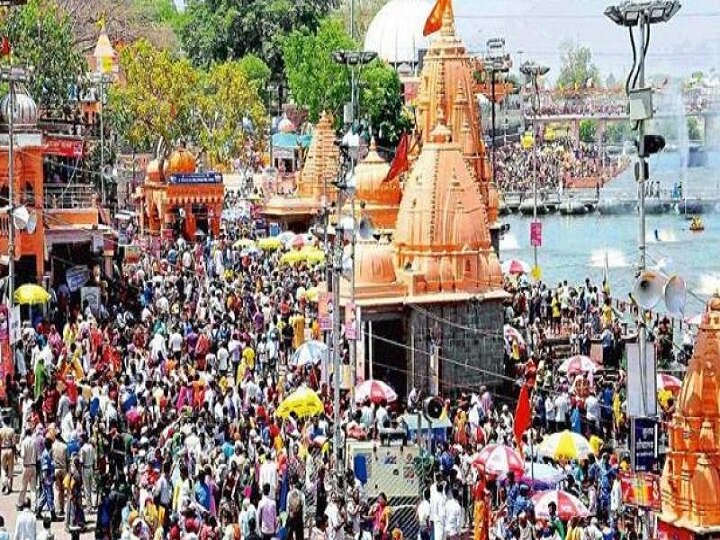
<point>433,408</point>
<point>31,223</point>
<point>21,217</point>
<point>649,287</point>
<point>674,294</point>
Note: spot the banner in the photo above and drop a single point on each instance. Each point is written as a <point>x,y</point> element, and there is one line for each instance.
<point>640,489</point>
<point>70,148</point>
<point>92,295</point>
<point>4,324</point>
<point>351,321</point>
<point>641,381</point>
<point>325,311</point>
<point>197,178</point>
<point>536,234</point>
<point>76,277</point>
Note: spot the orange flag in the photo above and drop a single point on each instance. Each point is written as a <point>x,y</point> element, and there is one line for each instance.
<point>523,414</point>
<point>434,20</point>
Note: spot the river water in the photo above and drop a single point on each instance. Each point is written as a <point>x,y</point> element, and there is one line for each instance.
<point>575,247</point>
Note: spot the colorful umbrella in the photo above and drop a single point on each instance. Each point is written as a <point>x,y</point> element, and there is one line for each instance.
<point>668,382</point>
<point>578,364</point>
<point>499,459</point>
<point>310,352</point>
<point>565,445</point>
<point>515,267</point>
<point>510,333</point>
<point>31,294</point>
<point>298,242</point>
<point>312,294</point>
<point>543,472</point>
<point>244,243</point>
<point>303,402</point>
<point>375,391</point>
<point>568,506</point>
<point>269,244</point>
<point>286,237</point>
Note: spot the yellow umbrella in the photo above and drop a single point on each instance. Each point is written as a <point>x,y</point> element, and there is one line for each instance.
<point>244,242</point>
<point>303,402</point>
<point>293,257</point>
<point>31,294</point>
<point>269,244</point>
<point>565,445</point>
<point>315,257</point>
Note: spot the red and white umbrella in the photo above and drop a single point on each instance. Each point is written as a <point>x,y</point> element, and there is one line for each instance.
<point>511,333</point>
<point>568,506</point>
<point>668,382</point>
<point>578,364</point>
<point>298,241</point>
<point>375,391</point>
<point>499,459</point>
<point>515,267</point>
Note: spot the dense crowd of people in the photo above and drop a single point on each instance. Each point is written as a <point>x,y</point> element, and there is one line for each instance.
<point>590,105</point>
<point>160,413</point>
<point>557,163</point>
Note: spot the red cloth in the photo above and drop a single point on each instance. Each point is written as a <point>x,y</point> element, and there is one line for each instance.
<point>400,162</point>
<point>523,415</point>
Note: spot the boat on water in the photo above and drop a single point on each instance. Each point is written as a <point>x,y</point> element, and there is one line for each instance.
<point>571,207</point>
<point>697,225</point>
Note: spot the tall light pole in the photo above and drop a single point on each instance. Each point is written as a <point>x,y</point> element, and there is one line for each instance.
<point>496,61</point>
<point>641,16</point>
<point>105,57</point>
<point>533,72</point>
<point>350,147</point>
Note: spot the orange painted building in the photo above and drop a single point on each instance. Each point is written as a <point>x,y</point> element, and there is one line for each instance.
<point>181,200</point>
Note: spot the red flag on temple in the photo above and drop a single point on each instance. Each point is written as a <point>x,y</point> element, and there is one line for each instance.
<point>523,415</point>
<point>400,162</point>
<point>434,20</point>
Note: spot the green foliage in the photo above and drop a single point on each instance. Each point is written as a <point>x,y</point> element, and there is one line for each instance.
<point>381,98</point>
<point>167,97</point>
<point>41,37</point>
<point>693,128</point>
<point>588,131</point>
<point>219,30</point>
<point>316,81</point>
<point>577,68</point>
<point>257,73</point>
<point>618,132</point>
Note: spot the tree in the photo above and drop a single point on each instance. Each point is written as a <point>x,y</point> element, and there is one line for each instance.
<point>578,70</point>
<point>229,112</point>
<point>365,11</point>
<point>588,131</point>
<point>257,73</point>
<point>219,30</point>
<point>41,37</point>
<point>158,97</point>
<point>693,127</point>
<point>381,97</point>
<point>618,132</point>
<point>316,81</point>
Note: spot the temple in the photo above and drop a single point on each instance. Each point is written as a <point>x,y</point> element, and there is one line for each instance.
<point>379,196</point>
<point>314,182</point>
<point>690,483</point>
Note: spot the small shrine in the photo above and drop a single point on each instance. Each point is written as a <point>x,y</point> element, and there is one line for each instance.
<point>690,483</point>
<point>177,200</point>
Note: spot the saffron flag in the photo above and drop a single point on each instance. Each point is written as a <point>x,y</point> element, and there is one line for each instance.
<point>400,162</point>
<point>434,20</point>
<point>523,415</point>
<point>5,48</point>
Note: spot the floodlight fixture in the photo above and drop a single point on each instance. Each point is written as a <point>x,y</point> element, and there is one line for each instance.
<point>630,13</point>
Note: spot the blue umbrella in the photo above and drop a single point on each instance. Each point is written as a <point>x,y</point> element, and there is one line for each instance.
<point>310,352</point>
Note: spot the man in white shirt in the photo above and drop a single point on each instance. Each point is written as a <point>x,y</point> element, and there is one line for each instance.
<point>453,517</point>
<point>437,509</point>
<point>28,460</point>
<point>268,475</point>
<point>25,528</point>
<point>592,412</point>
<point>423,516</point>
<point>87,461</point>
<point>334,523</point>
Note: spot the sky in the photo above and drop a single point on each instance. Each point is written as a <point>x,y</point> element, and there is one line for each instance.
<point>690,41</point>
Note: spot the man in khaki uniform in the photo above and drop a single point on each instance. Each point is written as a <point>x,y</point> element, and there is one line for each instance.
<point>59,455</point>
<point>7,454</point>
<point>29,460</point>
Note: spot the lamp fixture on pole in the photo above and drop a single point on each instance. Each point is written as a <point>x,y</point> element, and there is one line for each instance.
<point>497,61</point>
<point>105,58</point>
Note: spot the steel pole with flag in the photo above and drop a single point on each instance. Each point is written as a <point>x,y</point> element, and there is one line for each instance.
<point>434,20</point>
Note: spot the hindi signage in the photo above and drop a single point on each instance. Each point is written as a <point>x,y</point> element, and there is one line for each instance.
<point>76,277</point>
<point>70,148</point>
<point>351,321</point>
<point>643,444</point>
<point>197,178</point>
<point>536,234</point>
<point>640,489</point>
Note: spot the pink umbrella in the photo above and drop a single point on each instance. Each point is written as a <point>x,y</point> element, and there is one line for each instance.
<point>668,382</point>
<point>568,506</point>
<point>375,391</point>
<point>578,364</point>
<point>298,241</point>
<point>498,459</point>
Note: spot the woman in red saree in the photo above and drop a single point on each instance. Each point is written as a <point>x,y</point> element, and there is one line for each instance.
<point>481,509</point>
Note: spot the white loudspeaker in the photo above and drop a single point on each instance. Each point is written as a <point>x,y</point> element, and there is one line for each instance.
<point>31,223</point>
<point>649,288</point>
<point>674,294</point>
<point>347,267</point>
<point>21,216</point>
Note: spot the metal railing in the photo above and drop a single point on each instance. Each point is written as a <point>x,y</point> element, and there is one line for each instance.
<point>69,196</point>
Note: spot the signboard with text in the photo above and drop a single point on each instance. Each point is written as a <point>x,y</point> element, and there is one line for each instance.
<point>70,148</point>
<point>351,321</point>
<point>640,489</point>
<point>643,444</point>
<point>77,276</point>
<point>197,178</point>
<point>536,234</point>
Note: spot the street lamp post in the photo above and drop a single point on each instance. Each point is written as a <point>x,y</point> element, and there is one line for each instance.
<point>642,15</point>
<point>496,62</point>
<point>350,148</point>
<point>533,72</point>
<point>105,57</point>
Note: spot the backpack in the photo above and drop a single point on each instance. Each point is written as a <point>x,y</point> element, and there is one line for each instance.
<point>294,504</point>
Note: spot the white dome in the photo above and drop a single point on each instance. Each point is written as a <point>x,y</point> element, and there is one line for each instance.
<point>396,32</point>
<point>25,109</point>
